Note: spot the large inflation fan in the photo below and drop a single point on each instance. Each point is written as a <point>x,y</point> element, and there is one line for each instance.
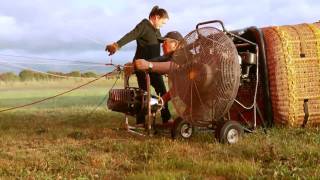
<point>204,79</point>
<point>204,76</point>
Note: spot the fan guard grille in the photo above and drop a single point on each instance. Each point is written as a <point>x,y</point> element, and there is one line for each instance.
<point>204,76</point>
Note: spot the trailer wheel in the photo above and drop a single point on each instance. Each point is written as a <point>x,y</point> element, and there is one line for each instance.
<point>229,132</point>
<point>182,129</point>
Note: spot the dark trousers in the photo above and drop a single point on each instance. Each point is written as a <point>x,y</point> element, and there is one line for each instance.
<point>156,81</point>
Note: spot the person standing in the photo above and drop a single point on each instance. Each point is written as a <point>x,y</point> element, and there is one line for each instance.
<point>148,37</point>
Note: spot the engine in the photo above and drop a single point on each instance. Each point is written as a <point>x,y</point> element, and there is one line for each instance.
<point>132,100</point>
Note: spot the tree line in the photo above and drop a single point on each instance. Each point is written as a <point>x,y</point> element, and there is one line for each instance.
<point>27,75</point>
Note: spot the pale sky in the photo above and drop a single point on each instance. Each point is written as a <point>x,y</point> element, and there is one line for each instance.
<point>80,29</point>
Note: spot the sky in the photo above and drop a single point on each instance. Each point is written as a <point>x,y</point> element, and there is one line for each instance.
<point>70,30</point>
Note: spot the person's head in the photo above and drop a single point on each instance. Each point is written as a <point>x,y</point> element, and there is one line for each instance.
<point>158,17</point>
<point>171,42</point>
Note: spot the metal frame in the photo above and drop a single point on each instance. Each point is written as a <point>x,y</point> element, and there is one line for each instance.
<point>254,103</point>
<point>150,120</point>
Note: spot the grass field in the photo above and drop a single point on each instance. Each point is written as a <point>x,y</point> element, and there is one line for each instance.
<point>70,138</point>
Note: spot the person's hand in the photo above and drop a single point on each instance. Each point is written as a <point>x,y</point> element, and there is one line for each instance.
<point>112,48</point>
<point>141,64</point>
<point>128,69</point>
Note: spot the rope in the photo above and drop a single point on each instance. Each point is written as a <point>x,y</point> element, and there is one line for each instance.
<point>57,95</point>
<point>91,39</point>
<point>104,98</point>
<point>34,70</point>
<point>51,59</point>
<point>50,74</point>
<point>45,63</point>
<point>84,35</point>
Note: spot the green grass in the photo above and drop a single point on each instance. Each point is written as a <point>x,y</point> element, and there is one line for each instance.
<point>63,139</point>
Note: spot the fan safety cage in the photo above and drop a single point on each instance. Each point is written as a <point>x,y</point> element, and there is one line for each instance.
<point>204,76</point>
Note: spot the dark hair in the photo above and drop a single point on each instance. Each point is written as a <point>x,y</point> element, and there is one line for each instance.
<point>156,11</point>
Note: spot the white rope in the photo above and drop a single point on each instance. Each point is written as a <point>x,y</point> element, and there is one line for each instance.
<point>35,70</point>
<point>77,32</point>
<point>58,64</point>
<point>91,39</point>
<point>51,59</point>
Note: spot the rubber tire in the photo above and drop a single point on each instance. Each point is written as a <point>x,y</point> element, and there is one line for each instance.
<point>224,127</point>
<point>176,129</point>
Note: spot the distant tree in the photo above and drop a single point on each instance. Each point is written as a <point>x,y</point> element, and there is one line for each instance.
<point>55,73</point>
<point>9,76</point>
<point>74,74</point>
<point>40,76</point>
<point>26,75</point>
<point>89,74</point>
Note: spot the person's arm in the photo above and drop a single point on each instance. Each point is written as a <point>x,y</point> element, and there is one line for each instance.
<point>132,35</point>
<point>137,32</point>
<point>158,67</point>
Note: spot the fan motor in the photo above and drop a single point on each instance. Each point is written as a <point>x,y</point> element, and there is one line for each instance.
<point>132,101</point>
<point>129,100</point>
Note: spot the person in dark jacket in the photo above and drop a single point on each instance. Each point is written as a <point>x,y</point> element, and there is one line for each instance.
<point>147,35</point>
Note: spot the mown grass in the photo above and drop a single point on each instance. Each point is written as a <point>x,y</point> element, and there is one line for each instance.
<point>69,140</point>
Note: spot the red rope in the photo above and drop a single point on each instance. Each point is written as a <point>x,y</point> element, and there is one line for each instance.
<point>60,94</point>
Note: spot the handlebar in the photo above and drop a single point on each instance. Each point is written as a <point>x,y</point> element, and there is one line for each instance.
<point>210,22</point>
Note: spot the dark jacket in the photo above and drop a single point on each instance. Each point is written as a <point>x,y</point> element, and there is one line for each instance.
<point>147,37</point>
